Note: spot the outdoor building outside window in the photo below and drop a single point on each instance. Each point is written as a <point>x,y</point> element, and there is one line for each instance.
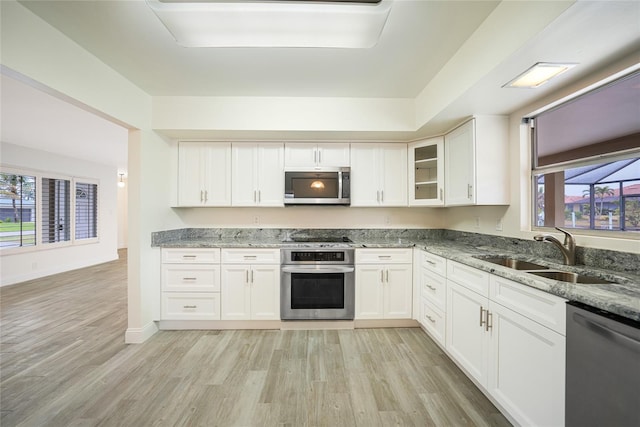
<point>17,210</point>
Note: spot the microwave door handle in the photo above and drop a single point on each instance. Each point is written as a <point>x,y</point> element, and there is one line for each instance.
<point>339,185</point>
<point>314,270</point>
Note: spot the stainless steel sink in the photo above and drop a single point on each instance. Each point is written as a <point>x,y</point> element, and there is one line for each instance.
<point>567,276</point>
<point>516,264</point>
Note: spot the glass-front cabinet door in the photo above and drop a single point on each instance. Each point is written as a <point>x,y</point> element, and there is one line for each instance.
<point>426,172</point>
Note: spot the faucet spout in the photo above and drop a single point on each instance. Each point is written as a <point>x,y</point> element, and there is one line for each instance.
<point>568,248</point>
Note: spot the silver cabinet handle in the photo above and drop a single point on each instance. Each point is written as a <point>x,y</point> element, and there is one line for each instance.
<point>254,195</point>
<point>378,196</point>
<point>428,261</point>
<point>189,278</point>
<point>206,196</point>
<point>470,191</point>
<point>431,319</point>
<point>432,288</point>
<point>481,316</point>
<point>382,196</point>
<point>319,155</point>
<point>259,196</point>
<point>315,156</point>
<point>489,322</point>
<point>201,195</point>
<point>381,276</point>
<point>387,275</point>
<point>246,278</point>
<point>441,194</point>
<point>251,276</point>
<point>250,256</point>
<point>188,256</point>
<point>189,306</point>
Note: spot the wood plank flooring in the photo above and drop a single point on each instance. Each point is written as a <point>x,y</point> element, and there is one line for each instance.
<point>64,363</point>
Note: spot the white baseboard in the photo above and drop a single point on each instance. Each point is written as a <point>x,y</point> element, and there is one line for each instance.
<point>140,335</point>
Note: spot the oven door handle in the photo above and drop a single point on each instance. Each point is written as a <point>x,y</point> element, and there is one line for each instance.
<point>318,270</point>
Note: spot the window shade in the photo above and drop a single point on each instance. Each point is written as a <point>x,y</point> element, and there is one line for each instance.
<point>86,211</point>
<point>56,215</point>
<point>603,121</point>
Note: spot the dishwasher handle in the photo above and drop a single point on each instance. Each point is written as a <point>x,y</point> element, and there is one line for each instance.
<point>602,330</point>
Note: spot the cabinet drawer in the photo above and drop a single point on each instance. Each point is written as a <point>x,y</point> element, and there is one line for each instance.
<point>192,256</point>
<point>194,278</point>
<point>251,256</point>
<point>433,288</point>
<point>541,307</point>
<point>433,263</point>
<point>469,277</point>
<point>190,306</point>
<point>384,256</point>
<point>433,320</point>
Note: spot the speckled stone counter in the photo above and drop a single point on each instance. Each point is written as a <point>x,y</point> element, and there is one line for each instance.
<point>621,297</point>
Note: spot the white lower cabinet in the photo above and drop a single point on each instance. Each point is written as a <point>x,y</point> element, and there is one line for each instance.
<point>384,291</point>
<point>250,291</point>
<point>190,282</point>
<point>518,357</point>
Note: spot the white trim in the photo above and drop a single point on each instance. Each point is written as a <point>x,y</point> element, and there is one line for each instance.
<point>140,335</point>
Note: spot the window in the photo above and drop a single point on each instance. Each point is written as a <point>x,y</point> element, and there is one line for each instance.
<point>86,210</point>
<point>17,210</point>
<point>586,162</point>
<point>65,211</point>
<point>56,215</point>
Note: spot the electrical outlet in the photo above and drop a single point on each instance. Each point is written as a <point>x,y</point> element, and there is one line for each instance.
<point>387,220</point>
<point>499,224</point>
<point>476,222</point>
<point>256,220</point>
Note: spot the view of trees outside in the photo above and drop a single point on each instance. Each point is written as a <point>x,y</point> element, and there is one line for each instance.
<point>17,210</point>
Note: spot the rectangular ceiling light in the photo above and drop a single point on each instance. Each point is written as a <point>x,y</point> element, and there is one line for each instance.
<point>230,23</point>
<point>539,74</point>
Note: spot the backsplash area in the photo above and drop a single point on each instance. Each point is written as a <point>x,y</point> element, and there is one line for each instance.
<point>625,262</point>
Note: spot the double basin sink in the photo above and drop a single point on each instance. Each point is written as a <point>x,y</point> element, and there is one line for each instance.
<point>543,271</point>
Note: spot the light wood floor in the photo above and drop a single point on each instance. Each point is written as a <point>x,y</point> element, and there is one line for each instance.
<point>64,363</point>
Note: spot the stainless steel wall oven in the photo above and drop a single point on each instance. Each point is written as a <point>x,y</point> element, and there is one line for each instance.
<point>317,284</point>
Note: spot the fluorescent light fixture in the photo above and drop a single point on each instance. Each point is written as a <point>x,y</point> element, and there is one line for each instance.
<point>273,23</point>
<point>539,74</point>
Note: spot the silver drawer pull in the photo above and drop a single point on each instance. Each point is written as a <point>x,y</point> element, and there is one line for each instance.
<point>482,321</point>
<point>432,288</point>
<point>431,319</point>
<point>189,278</point>
<point>188,256</point>
<point>430,262</point>
<point>384,256</point>
<point>250,257</point>
<point>189,306</point>
<point>489,323</point>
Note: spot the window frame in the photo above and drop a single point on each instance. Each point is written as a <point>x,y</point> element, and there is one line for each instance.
<point>39,244</point>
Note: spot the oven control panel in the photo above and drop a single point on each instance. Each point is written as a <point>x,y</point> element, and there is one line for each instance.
<point>318,256</point>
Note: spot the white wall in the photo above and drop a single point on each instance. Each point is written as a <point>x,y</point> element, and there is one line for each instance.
<point>32,263</point>
<point>516,217</point>
<point>123,206</point>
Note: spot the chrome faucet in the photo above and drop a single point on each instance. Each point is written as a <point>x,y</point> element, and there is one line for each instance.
<point>568,248</point>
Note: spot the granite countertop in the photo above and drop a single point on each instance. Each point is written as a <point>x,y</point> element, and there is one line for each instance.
<point>621,297</point>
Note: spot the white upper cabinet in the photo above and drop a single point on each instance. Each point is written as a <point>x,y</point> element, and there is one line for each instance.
<point>476,162</point>
<point>316,155</point>
<point>257,174</point>
<point>426,172</point>
<point>204,174</point>
<point>378,175</point>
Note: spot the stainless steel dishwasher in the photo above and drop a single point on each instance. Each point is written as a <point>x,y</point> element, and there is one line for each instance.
<point>603,368</point>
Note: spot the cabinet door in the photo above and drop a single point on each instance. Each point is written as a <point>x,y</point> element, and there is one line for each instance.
<point>365,175</point>
<point>393,170</point>
<point>466,339</point>
<point>426,172</point>
<point>217,174</point>
<point>527,368</point>
<point>270,180</point>
<point>302,154</point>
<point>398,291</point>
<point>334,155</point>
<point>244,166</point>
<point>460,165</point>
<point>369,292</point>
<point>265,292</point>
<point>236,292</point>
<point>190,174</point>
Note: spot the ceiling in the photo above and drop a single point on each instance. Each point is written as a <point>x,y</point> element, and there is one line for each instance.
<point>419,41</point>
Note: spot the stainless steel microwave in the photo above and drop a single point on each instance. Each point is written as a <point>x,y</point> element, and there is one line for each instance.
<point>326,186</point>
